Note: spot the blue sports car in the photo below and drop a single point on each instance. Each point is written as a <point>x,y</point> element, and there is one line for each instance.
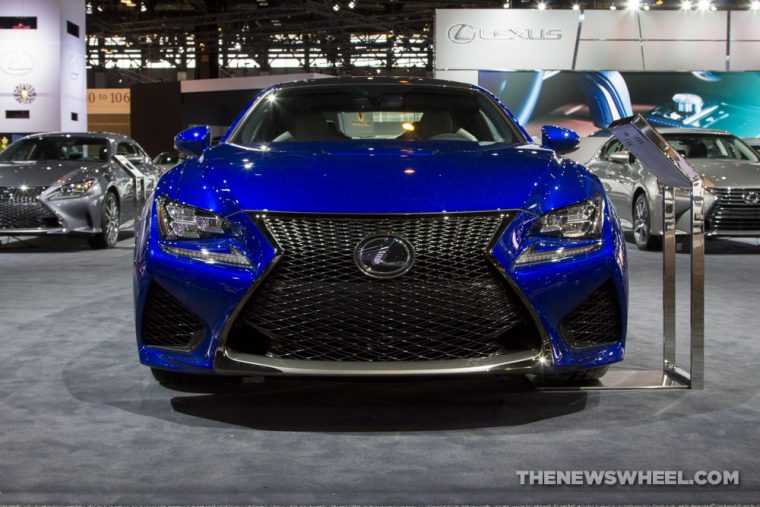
<point>379,226</point>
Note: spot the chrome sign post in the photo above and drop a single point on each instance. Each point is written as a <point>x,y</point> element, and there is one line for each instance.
<point>674,172</point>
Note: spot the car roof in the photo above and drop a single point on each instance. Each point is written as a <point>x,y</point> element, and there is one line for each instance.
<point>693,131</point>
<point>370,80</point>
<point>90,135</point>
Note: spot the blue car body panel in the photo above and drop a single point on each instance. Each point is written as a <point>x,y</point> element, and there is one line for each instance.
<point>376,177</point>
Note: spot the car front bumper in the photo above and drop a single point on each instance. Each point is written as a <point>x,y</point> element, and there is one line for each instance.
<point>217,293</point>
<point>78,215</point>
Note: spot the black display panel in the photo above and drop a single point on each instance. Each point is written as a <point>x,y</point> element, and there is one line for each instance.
<point>18,22</point>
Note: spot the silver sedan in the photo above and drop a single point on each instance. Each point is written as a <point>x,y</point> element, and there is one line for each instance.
<point>732,178</point>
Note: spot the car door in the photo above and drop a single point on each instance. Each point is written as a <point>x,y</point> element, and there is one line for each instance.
<point>613,166</point>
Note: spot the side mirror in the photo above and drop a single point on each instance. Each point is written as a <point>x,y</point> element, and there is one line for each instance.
<point>622,157</point>
<point>559,139</point>
<point>193,141</point>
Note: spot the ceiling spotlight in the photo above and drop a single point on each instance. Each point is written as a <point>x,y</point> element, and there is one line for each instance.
<point>646,7</point>
<point>351,4</point>
<point>704,5</point>
<point>755,5</point>
<point>613,7</point>
<point>336,7</point>
<point>686,5</point>
<point>143,8</point>
<point>541,6</point>
<point>634,5</point>
<point>577,7</point>
<point>506,5</point>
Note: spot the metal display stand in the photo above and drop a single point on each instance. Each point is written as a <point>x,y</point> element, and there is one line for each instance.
<point>673,171</point>
<point>140,181</point>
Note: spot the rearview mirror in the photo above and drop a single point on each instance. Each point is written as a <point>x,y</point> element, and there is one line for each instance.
<point>622,157</point>
<point>193,141</point>
<point>559,139</point>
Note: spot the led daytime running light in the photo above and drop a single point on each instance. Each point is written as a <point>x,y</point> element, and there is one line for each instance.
<point>233,257</point>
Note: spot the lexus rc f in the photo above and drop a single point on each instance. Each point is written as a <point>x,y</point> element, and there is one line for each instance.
<point>369,227</point>
<point>72,184</point>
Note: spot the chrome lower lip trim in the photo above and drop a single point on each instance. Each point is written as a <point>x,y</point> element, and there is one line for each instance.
<point>228,362</point>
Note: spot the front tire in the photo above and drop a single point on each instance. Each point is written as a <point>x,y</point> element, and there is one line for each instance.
<point>109,223</point>
<point>642,229</point>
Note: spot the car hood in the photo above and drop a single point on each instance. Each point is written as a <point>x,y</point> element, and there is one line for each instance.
<point>729,173</point>
<point>44,173</point>
<point>382,177</point>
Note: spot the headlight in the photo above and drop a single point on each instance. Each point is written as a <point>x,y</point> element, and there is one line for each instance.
<point>181,222</point>
<point>74,189</point>
<point>178,221</point>
<point>579,221</point>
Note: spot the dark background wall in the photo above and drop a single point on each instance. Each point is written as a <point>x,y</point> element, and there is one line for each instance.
<point>156,115</point>
<point>219,108</point>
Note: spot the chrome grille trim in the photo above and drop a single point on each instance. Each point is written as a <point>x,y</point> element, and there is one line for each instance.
<point>21,208</point>
<point>732,212</point>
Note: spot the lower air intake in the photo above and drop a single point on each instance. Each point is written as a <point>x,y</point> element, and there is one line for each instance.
<point>596,321</point>
<point>167,322</point>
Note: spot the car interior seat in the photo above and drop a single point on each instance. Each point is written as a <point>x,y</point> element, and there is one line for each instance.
<point>312,126</point>
<point>434,122</point>
<point>697,150</point>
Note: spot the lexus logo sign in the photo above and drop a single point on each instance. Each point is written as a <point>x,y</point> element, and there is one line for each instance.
<point>461,34</point>
<point>464,34</point>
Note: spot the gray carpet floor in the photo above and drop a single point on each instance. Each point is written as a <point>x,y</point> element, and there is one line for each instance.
<point>82,422</point>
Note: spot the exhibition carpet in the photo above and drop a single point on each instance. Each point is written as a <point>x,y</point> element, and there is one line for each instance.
<point>82,422</point>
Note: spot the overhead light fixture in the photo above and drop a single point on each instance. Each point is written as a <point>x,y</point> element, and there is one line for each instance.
<point>634,5</point>
<point>351,4</point>
<point>336,7</point>
<point>541,6</point>
<point>646,7</point>
<point>704,5</point>
<point>755,5</point>
<point>576,7</point>
<point>613,7</point>
<point>143,8</point>
<point>506,5</point>
<point>686,5</point>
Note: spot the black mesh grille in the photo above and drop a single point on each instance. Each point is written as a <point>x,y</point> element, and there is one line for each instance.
<point>736,210</point>
<point>317,305</point>
<point>595,321</point>
<point>22,209</point>
<point>167,322</point>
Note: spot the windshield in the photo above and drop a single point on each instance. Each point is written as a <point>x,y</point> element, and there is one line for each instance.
<point>711,146</point>
<point>84,149</point>
<point>375,112</point>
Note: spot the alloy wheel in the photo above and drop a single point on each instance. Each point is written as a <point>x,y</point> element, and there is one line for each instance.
<point>111,219</point>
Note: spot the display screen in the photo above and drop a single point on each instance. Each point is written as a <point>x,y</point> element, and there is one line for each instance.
<point>18,23</point>
<point>588,102</point>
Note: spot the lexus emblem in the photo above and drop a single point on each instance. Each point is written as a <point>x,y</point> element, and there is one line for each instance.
<point>461,34</point>
<point>384,256</point>
<point>752,197</point>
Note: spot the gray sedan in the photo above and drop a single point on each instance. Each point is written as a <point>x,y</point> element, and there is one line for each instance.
<point>732,179</point>
<point>84,184</point>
